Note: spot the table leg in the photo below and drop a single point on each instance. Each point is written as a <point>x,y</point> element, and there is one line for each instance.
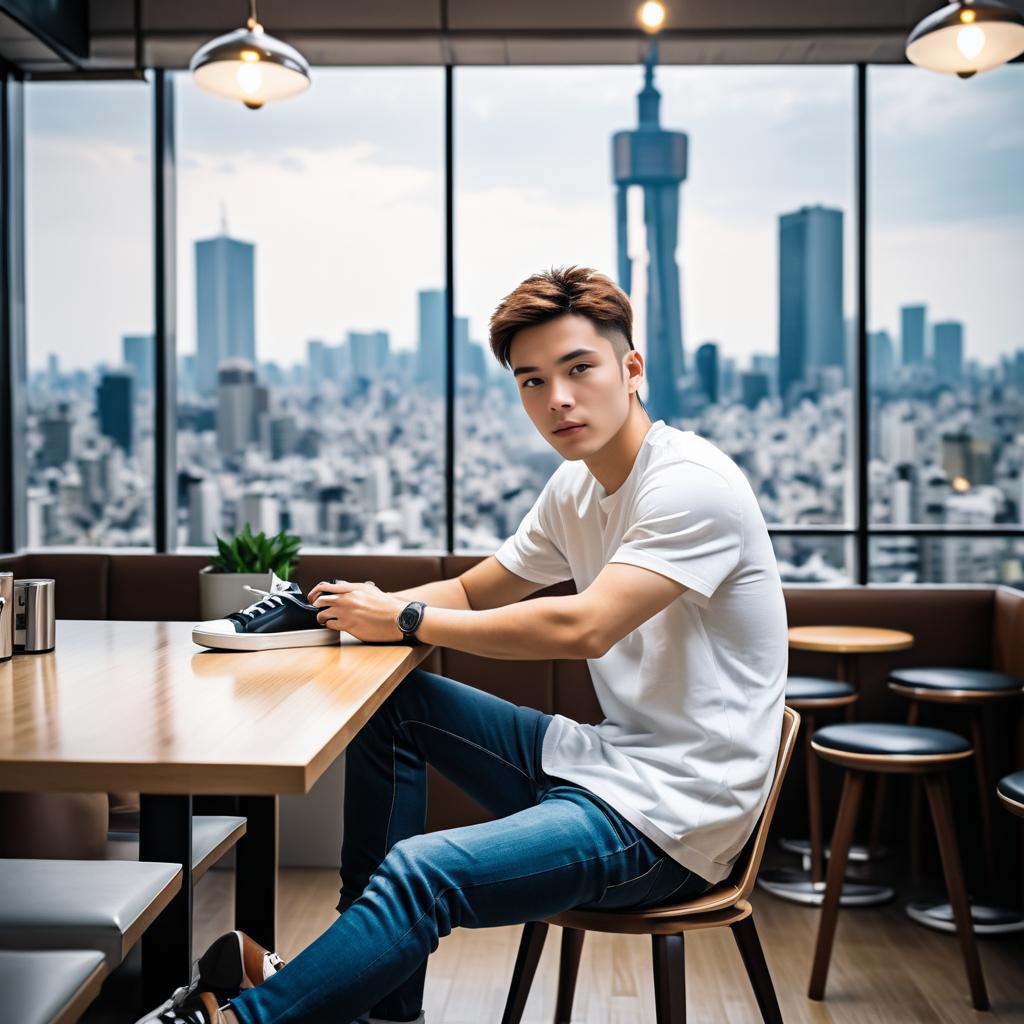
<point>256,870</point>
<point>165,834</point>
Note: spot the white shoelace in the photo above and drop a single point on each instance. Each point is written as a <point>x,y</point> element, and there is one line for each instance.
<point>270,599</point>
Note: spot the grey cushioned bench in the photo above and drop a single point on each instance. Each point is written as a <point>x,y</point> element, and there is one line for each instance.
<point>51,987</point>
<point>212,836</point>
<point>82,904</point>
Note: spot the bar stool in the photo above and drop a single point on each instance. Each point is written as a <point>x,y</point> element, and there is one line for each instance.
<point>975,690</point>
<point>863,747</point>
<point>1011,792</point>
<point>810,696</point>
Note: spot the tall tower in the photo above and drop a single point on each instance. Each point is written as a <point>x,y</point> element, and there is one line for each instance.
<point>811,335</point>
<point>655,160</point>
<point>225,306</point>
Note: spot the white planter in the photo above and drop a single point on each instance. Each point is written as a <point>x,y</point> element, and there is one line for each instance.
<point>221,593</point>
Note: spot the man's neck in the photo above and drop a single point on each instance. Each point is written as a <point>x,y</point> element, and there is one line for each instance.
<point>612,464</point>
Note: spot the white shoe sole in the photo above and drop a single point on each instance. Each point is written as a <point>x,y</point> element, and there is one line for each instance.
<point>266,641</point>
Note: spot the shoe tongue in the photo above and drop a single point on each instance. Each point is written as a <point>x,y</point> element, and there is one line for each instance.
<point>279,586</point>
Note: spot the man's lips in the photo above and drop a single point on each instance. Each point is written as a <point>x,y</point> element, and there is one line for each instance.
<point>571,430</point>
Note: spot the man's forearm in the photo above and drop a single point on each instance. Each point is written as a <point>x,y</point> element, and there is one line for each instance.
<point>440,593</point>
<point>544,627</point>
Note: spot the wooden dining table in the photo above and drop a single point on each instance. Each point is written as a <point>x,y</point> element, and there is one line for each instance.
<point>136,706</point>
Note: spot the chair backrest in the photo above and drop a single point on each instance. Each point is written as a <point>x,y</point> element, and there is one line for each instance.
<point>744,872</point>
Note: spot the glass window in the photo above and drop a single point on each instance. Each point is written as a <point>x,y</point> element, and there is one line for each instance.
<point>946,258</point>
<point>89,314</point>
<point>903,559</point>
<point>310,244</point>
<point>748,237</point>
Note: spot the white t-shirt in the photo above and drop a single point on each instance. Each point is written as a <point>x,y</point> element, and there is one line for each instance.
<point>692,698</point>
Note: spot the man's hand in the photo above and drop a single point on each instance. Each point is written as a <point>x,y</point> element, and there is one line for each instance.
<point>358,608</point>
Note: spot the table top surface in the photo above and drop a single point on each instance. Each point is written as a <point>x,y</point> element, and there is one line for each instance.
<point>136,706</point>
<point>849,639</point>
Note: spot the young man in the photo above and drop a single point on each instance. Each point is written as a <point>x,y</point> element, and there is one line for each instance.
<point>680,615</point>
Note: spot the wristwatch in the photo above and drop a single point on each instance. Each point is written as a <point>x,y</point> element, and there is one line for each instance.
<point>409,620</point>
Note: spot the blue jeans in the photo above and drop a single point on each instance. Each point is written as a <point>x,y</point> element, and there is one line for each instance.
<point>553,846</point>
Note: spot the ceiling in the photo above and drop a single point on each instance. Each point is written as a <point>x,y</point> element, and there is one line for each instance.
<point>100,35</point>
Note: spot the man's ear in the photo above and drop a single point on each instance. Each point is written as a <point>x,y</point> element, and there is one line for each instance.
<point>633,364</point>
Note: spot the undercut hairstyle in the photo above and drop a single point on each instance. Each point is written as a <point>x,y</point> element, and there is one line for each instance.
<point>558,292</point>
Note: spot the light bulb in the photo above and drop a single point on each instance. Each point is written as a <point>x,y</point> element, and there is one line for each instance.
<point>652,15</point>
<point>249,78</point>
<point>970,41</point>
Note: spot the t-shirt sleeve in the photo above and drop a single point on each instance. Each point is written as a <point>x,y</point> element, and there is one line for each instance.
<point>688,526</point>
<point>532,552</point>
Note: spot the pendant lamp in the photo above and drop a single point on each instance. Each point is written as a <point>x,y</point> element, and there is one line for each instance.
<point>250,65</point>
<point>966,37</point>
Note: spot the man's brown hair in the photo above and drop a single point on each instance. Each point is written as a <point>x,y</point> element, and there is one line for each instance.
<point>557,292</point>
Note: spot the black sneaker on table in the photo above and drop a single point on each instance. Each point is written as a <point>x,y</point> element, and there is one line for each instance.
<point>281,618</point>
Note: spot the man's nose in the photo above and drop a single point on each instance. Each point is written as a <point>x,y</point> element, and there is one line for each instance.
<point>561,396</point>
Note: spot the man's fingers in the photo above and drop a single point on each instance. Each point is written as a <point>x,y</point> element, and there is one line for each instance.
<point>335,587</point>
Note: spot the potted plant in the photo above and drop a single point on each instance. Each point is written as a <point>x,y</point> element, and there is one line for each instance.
<point>248,560</point>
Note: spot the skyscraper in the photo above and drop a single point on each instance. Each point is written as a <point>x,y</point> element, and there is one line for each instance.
<point>810,297</point>
<point>430,363</point>
<point>881,360</point>
<point>138,350</point>
<point>707,370</point>
<point>114,408</point>
<point>912,335</point>
<point>655,160</point>
<point>236,406</point>
<point>369,353</point>
<point>225,306</point>
<point>948,351</point>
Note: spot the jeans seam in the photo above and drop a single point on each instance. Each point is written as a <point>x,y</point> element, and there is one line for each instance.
<point>656,865</point>
<point>448,732</point>
<point>471,885</point>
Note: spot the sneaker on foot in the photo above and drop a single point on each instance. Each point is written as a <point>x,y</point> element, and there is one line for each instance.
<point>233,963</point>
<point>281,618</point>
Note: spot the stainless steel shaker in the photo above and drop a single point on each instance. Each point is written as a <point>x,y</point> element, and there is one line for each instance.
<point>35,627</point>
<point>6,615</point>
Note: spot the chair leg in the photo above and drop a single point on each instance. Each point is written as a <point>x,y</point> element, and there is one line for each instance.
<point>849,802</point>
<point>531,945</point>
<point>937,787</point>
<point>568,968</point>
<point>749,945</point>
<point>877,814</point>
<point>985,784</point>
<point>913,716</point>
<point>669,954</point>
<point>813,800</point>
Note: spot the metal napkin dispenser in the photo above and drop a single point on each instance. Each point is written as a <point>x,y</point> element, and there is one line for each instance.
<point>6,615</point>
<point>35,627</point>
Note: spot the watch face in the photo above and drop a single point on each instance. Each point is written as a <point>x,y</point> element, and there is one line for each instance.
<point>408,618</point>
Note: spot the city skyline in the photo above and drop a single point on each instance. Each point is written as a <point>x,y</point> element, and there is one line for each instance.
<point>718,229</point>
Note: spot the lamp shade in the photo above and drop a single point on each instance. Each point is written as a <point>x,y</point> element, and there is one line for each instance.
<point>966,37</point>
<point>250,66</point>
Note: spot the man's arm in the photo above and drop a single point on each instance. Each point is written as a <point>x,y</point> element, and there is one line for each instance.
<point>585,625</point>
<point>578,626</point>
<point>488,584</point>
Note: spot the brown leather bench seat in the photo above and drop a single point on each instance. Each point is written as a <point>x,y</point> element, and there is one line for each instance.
<point>968,626</point>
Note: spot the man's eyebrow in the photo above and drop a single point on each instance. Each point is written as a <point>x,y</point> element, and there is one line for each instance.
<point>561,359</point>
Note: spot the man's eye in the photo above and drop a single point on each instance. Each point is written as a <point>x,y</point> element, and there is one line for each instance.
<point>579,366</point>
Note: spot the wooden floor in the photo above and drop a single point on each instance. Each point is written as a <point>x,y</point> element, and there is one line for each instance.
<point>885,969</point>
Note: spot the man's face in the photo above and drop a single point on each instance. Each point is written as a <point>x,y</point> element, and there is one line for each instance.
<point>567,372</point>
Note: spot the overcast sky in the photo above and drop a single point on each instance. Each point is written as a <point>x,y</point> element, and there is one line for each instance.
<point>342,191</point>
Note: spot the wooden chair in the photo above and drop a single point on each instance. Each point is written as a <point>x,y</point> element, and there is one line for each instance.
<point>724,905</point>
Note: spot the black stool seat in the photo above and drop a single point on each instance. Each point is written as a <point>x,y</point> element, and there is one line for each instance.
<point>973,679</point>
<point>881,739</point>
<point>812,688</point>
<point>1011,787</point>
